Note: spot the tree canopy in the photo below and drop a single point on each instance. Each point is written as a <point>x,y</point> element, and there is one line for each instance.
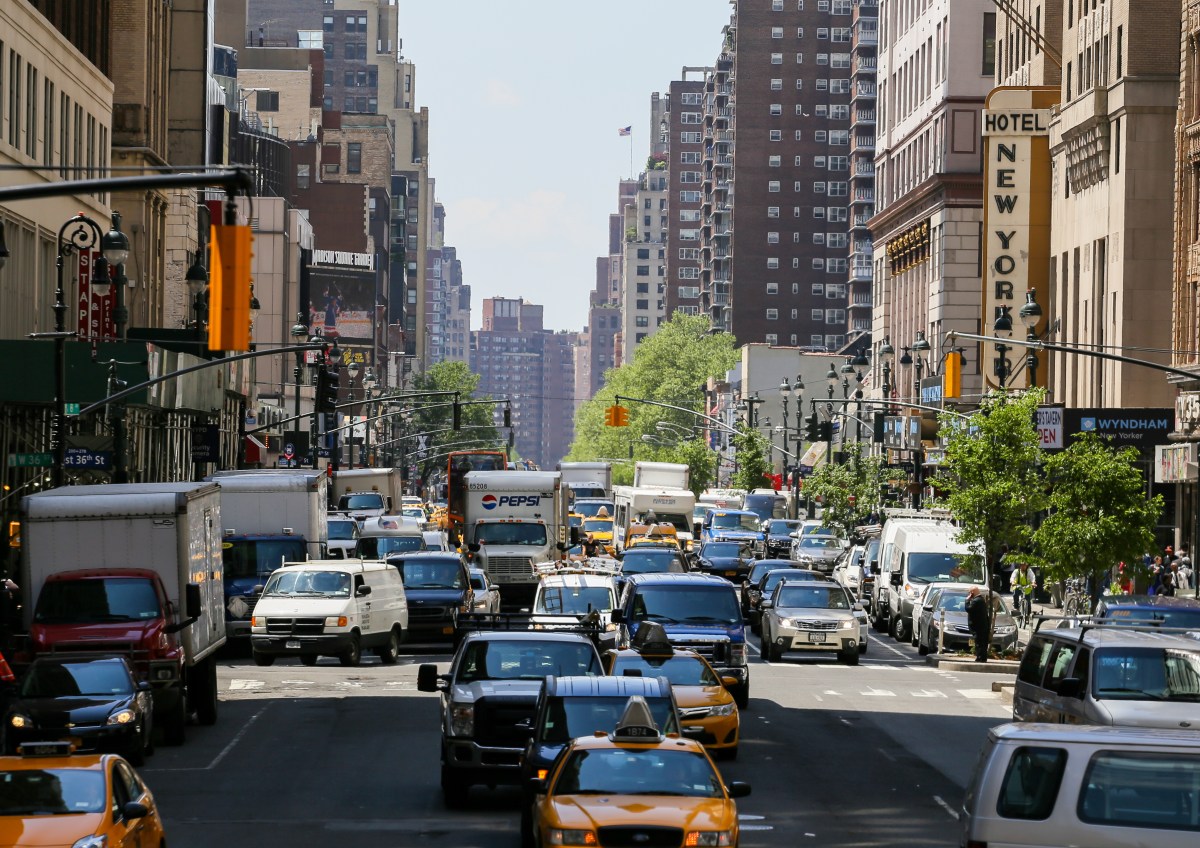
<point>434,415</point>
<point>849,491</point>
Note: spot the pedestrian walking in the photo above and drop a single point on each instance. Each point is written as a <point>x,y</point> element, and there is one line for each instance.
<point>1156,569</point>
<point>980,622</point>
<point>1184,576</point>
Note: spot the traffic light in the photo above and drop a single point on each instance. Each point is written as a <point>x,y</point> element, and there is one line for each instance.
<point>456,422</point>
<point>877,428</point>
<point>952,375</point>
<point>826,431</point>
<point>508,416</point>
<point>327,390</point>
<point>616,416</point>
<point>812,430</point>
<point>229,288</point>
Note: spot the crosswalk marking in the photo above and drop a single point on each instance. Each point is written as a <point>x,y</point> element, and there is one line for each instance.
<point>878,693</point>
<point>928,693</point>
<point>977,694</point>
<point>237,684</point>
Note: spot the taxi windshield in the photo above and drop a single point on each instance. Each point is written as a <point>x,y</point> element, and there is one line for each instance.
<point>574,600</point>
<point>589,508</point>
<point>650,562</point>
<point>598,525</point>
<point>681,670</point>
<point>327,584</point>
<point>51,792</point>
<point>1147,674</point>
<point>638,771</point>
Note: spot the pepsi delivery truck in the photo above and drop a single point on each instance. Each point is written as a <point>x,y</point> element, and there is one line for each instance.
<point>513,522</point>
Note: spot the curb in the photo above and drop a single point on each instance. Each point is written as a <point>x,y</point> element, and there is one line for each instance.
<point>958,664</point>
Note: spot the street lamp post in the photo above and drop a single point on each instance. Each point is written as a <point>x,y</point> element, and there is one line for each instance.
<point>352,369</point>
<point>1031,314</point>
<point>115,247</point>
<point>197,283</point>
<point>298,332</point>
<point>920,347</point>
<point>887,354</point>
<point>369,384</point>
<point>1003,330</point>
<point>831,377</point>
<point>785,390</point>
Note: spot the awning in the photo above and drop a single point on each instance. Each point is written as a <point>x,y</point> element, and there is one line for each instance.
<point>815,455</point>
<point>256,451</point>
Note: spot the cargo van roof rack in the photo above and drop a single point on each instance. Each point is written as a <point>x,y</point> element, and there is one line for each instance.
<point>1140,625</point>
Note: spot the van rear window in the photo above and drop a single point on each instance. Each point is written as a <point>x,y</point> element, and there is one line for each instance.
<point>1031,783</point>
<point>1148,790</point>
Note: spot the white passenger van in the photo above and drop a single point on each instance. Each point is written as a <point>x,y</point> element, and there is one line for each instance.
<point>330,608</point>
<point>1055,785</point>
<point>918,547</point>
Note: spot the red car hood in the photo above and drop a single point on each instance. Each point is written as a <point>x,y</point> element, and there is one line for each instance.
<point>99,632</point>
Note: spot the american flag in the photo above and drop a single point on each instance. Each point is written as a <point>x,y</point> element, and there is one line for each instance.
<point>624,131</point>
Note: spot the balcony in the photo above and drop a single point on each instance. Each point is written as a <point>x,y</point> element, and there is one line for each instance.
<point>866,36</point>
<point>861,220</point>
<point>864,169</point>
<point>725,135</point>
<point>861,274</point>
<point>865,63</point>
<point>864,142</point>
<point>720,253</point>
<point>864,116</point>
<point>865,89</point>
<point>725,161</point>
<point>864,195</point>
<point>860,301</point>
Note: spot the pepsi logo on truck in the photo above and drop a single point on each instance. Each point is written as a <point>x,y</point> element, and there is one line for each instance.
<point>491,501</point>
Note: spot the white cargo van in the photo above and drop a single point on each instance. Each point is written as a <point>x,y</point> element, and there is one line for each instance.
<point>390,534</point>
<point>914,551</point>
<point>330,608</point>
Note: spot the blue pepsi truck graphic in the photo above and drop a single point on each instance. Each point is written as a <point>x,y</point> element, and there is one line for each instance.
<point>513,522</point>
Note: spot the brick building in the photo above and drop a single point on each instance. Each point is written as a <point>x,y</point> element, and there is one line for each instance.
<point>685,160</point>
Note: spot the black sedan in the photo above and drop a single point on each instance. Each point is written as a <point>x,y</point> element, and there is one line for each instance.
<point>94,702</point>
<point>767,583</point>
<point>779,536</point>
<point>757,570</point>
<point>730,560</point>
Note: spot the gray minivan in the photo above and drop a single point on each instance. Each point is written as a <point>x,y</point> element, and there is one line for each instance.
<point>1110,674</point>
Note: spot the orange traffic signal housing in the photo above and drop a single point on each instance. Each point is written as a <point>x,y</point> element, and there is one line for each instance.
<point>616,416</point>
<point>229,288</point>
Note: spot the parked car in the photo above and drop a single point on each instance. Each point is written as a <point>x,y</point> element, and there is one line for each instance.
<point>1167,610</point>
<point>728,558</point>
<point>817,551</point>
<point>487,593</point>
<point>849,569</point>
<point>768,582</point>
<point>812,617</point>
<point>944,612</point>
<point>97,703</point>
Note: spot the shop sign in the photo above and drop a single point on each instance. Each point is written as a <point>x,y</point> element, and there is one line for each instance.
<point>1175,463</point>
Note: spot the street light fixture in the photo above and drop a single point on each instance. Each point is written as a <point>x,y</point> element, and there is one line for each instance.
<point>197,283</point>
<point>114,246</point>
<point>920,347</point>
<point>887,354</point>
<point>299,331</point>
<point>847,371</point>
<point>1003,330</point>
<point>1031,314</point>
<point>831,377</point>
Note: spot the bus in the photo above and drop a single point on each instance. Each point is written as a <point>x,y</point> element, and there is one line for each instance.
<point>458,463</point>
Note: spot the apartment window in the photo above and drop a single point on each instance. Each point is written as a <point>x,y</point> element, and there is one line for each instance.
<point>839,112</point>
<point>327,103</point>
<point>835,266</point>
<point>776,108</point>
<point>821,136</point>
<point>840,34</point>
<point>835,316</point>
<point>772,314</point>
<point>776,58</point>
<point>800,84</point>
<point>822,33</point>
<point>772,263</point>
<point>641,321</point>
<point>772,238</point>
<point>799,135</point>
<point>799,32</point>
<point>1116,144</point>
<point>688,215</point>
<point>689,253</point>
<point>817,315</point>
<point>348,79</point>
<point>689,177</point>
<point>839,60</point>
<point>1120,52</point>
<point>841,7</point>
<point>822,58</point>
<point>772,211</point>
<point>327,49</point>
<point>837,240</point>
<point>776,32</point>
<point>818,187</point>
<point>772,338</point>
<point>839,163</point>
<point>354,157</point>
<point>797,186</point>
<point>837,189</point>
<point>795,262</point>
<point>818,264</point>
<point>773,186</point>
<point>989,44</point>
<point>689,138</point>
<point>772,288</point>
<point>689,235</point>
<point>799,60</point>
<point>688,292</point>
<point>643,252</point>
<point>689,197</point>
<point>641,304</point>
<point>776,85</point>
<point>822,110</point>
<point>774,161</point>
<point>839,86</point>
<point>776,5</point>
<point>796,211</point>
<point>795,315</point>
<point>776,135</point>
<point>266,101</point>
<point>839,138</point>
<point>689,117</point>
<point>837,214</point>
<point>822,85</point>
<point>818,238</point>
<point>689,157</point>
<point>690,98</point>
<point>327,23</point>
<point>689,273</point>
<point>818,212</point>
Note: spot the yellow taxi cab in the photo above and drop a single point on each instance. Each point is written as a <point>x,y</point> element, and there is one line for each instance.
<point>634,786</point>
<point>49,796</point>
<point>600,529</point>
<point>707,711</point>
<point>659,535</point>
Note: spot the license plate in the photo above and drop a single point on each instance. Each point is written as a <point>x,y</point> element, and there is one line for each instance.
<point>291,644</point>
<point>730,573</point>
<point>447,631</point>
<point>816,637</point>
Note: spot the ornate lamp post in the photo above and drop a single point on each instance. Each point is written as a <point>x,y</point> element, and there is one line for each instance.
<point>197,283</point>
<point>1031,314</point>
<point>1003,330</point>
<point>921,348</point>
<point>298,332</point>
<point>887,354</point>
<point>831,377</point>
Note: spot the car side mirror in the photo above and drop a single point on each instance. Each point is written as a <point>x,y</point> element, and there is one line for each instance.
<point>896,581</point>
<point>144,686</point>
<point>874,566</point>
<point>258,588</point>
<point>362,591</point>
<point>427,678</point>
<point>858,606</point>
<point>927,607</point>
<point>134,810</point>
<point>767,603</point>
<point>617,616</point>
<point>1070,687</point>
<point>729,681</point>
<point>739,789</point>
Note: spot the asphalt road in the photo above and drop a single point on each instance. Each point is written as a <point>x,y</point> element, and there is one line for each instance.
<point>874,755</point>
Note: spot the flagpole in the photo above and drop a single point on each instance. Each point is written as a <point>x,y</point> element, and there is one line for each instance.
<point>631,153</point>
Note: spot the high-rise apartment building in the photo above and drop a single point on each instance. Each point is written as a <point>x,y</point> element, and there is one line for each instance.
<point>781,87</point>
<point>936,64</point>
<point>447,299</point>
<point>642,295</point>
<point>684,158</point>
<point>864,64</point>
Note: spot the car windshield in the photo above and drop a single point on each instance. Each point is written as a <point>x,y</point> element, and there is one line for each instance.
<point>478,583</point>
<point>414,512</point>
<point>97,600</point>
<point>638,771</point>
<point>813,597</point>
<point>598,525</point>
<point>681,670</point>
<point>782,528</point>
<point>735,521</point>
<point>817,530</point>
<point>765,506</point>
<point>723,549</point>
<point>259,557</point>
<point>1147,674</point>
<point>942,568</point>
<point>368,500</point>
<point>511,534</point>
<point>566,718</point>
<point>680,604</point>
<point>327,584</point>
<point>430,573</point>
<point>341,530</point>
<point>52,792</point>
<point>500,659</point>
<point>574,600</point>
<point>1168,616</point>
<point>645,562</point>
<point>589,508</point>
<point>816,542</point>
<point>377,547</point>
<point>62,679</point>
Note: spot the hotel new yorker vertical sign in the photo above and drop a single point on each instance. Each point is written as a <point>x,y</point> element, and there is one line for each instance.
<point>1016,216</point>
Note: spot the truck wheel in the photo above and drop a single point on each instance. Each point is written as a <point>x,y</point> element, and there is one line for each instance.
<point>741,696</point>
<point>352,656</point>
<point>175,727</point>
<point>263,659</point>
<point>202,686</point>
<point>388,653</point>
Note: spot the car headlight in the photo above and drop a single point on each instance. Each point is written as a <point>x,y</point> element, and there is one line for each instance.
<point>1004,630</point>
<point>708,837</point>
<point>100,841</point>
<point>562,836</point>
<point>849,624</point>
<point>462,719</point>
<point>121,717</point>
<point>335,621</point>
<point>723,709</point>
<point>737,653</point>
<point>20,721</point>
<point>787,622</point>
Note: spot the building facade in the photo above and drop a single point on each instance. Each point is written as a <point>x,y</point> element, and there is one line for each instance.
<point>684,160</point>
<point>642,295</point>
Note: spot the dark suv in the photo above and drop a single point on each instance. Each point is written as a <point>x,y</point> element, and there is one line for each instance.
<point>437,585</point>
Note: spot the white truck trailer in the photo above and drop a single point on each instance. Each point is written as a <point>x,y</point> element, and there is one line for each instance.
<point>364,493</point>
<point>587,479</point>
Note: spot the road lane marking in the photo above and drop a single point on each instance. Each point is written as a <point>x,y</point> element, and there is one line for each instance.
<point>237,737</point>
<point>236,684</point>
<point>929,693</point>
<point>893,649</point>
<point>831,692</point>
<point>879,693</point>
<point>953,813</point>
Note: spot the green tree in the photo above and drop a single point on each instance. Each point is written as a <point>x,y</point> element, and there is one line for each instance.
<point>753,467</point>
<point>671,367</point>
<point>848,491</point>
<point>435,414</point>
<point>991,476</point>
<point>1099,514</point>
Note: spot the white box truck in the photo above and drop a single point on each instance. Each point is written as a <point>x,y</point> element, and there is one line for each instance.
<point>364,493</point>
<point>514,521</point>
<point>661,475</point>
<point>587,479</point>
<point>268,518</point>
<point>131,569</point>
<point>644,505</point>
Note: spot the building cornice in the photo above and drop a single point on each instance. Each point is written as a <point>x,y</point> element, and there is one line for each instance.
<point>939,191</point>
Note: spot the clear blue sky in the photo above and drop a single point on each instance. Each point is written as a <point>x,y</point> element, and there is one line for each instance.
<point>525,98</point>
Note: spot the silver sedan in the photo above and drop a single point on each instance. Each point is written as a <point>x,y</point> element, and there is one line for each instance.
<point>818,552</point>
<point>812,617</point>
<point>487,593</point>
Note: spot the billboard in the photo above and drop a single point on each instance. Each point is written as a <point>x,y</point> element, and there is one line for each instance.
<point>341,303</point>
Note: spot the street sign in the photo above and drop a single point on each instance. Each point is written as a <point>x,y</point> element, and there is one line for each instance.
<point>30,460</point>
<point>289,450</point>
<point>323,453</point>
<point>88,458</point>
<point>206,442</point>
<point>71,408</point>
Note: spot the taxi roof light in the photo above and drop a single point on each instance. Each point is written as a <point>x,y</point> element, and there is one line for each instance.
<point>636,723</point>
<point>651,638</point>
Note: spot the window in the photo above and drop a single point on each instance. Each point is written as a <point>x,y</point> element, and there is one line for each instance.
<point>689,138</point>
<point>354,157</point>
<point>800,84</point>
<point>840,34</point>
<point>776,32</point>
<point>822,33</point>
<point>776,5</point>
<point>835,266</point>
<point>689,253</point>
<point>836,213</point>
<point>818,289</point>
<point>641,321</point>
<point>772,211</point>
<point>302,176</point>
<point>838,163</point>
<point>688,215</point>
<point>776,135</point>
<point>838,189</point>
<point>822,85</point>
<point>839,60</point>
<point>772,238</point>
<point>817,315</point>
<point>799,32</point>
<point>1135,789</point>
<point>799,135</point>
<point>266,101</point>
<point>689,117</point>
<point>772,314</point>
<point>643,271</point>
<point>776,85</point>
<point>643,252</point>
<point>776,58</point>
<point>772,288</point>
<point>822,110</point>
<point>818,238</point>
<point>821,136</point>
<point>776,108</point>
<point>839,138</point>
<point>798,186</point>
<point>774,161</point>
<point>689,157</point>
<point>839,112</point>
<point>1031,783</point>
<point>841,7</point>
<point>329,78</point>
<point>819,187</point>
<point>837,240</point>
<point>689,273</point>
<point>799,60</point>
<point>641,304</point>
<point>822,58</point>
<point>818,264</point>
<point>839,86</point>
<point>643,288</point>
<point>690,98</point>
<point>688,292</point>
<point>689,235</point>
<point>835,316</point>
<point>327,23</point>
<point>689,197</point>
<point>772,338</point>
<point>819,212</point>
<point>989,44</point>
<point>773,186</point>
<point>689,177</point>
<point>772,263</point>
